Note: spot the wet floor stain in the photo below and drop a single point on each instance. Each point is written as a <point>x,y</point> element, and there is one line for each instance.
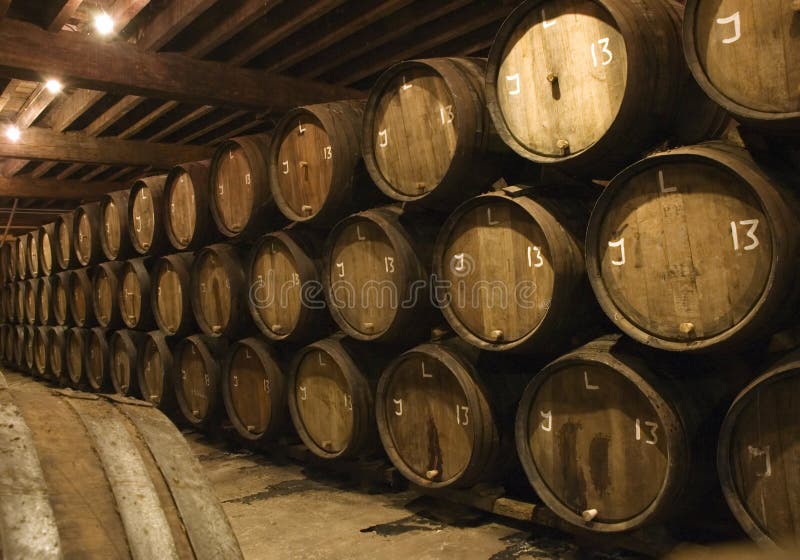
<point>285,488</point>
<point>408,524</point>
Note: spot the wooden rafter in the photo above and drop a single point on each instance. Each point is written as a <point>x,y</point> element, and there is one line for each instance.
<point>26,187</point>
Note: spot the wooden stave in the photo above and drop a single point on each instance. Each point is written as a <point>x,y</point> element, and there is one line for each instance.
<point>182,264</point>
<point>112,271</point>
<point>42,352</point>
<point>475,163</point>
<point>211,351</point>
<point>98,379</point>
<point>637,125</point>
<point>76,366</point>
<point>305,247</point>
<point>47,231</point>
<point>120,200</point>
<point>779,122</point>
<point>779,205</point>
<point>160,244</point>
<point>279,410</point>
<point>58,345</point>
<point>132,344</point>
<point>92,212</point>
<point>9,302</point>
<point>28,356</point>
<point>18,351</point>
<point>141,268</point>
<point>360,368</point>
<point>61,280</point>
<point>410,234</point>
<point>69,260</point>
<point>80,279</point>
<point>563,222</point>
<point>232,260</point>
<point>22,260</point>
<point>167,402</point>
<point>44,301</point>
<point>31,288</point>
<point>350,188</point>
<point>9,261</point>
<point>264,210</point>
<point>205,233</point>
<point>32,253</point>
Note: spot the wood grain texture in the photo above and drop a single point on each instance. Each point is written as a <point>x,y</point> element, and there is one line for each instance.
<point>171,294</point>
<point>86,224</point>
<point>105,294</point>
<point>31,287</point>
<point>77,345</point>
<point>115,240</point>
<point>134,295</point>
<point>44,301</point>
<point>65,252</point>
<point>124,347</point>
<point>80,298</point>
<point>98,365</point>
<point>154,372</point>
<point>61,298</point>
<point>58,355</point>
<point>146,216</point>
<point>197,379</point>
<point>47,254</point>
<point>220,292</point>
<point>187,217</point>
<point>32,257</point>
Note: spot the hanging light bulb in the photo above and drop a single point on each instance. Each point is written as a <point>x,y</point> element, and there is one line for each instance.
<point>53,86</point>
<point>13,133</point>
<point>103,23</point>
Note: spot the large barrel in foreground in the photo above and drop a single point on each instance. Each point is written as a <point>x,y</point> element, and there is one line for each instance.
<point>759,450</point>
<point>696,249</point>
<point>118,481</point>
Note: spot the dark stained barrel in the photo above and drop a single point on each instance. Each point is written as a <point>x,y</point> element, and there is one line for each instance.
<point>31,291</point>
<point>435,418</point>
<point>47,249</point>
<point>19,348</point>
<point>29,352</point>
<point>758,454</point>
<point>32,256</point>
<point>613,438</point>
<point>105,294</point>
<point>86,230</point>
<point>80,298</point>
<point>155,372</point>
<point>187,217</point>
<point>171,294</point>
<point>198,374</point>
<point>146,216</point>
<point>10,302</point>
<point>7,264</point>
<point>573,85</point>
<point>41,351</point>
<point>58,355</point>
<point>331,397</point>
<point>101,479</point>
<point>254,390</point>
<point>65,251</point>
<point>60,294</point>
<point>124,347</point>
<point>22,257</point>
<point>315,168</point>
<point>77,339</point>
<point>241,200</point>
<point>376,274</point>
<point>44,301</point>
<point>696,249</point>
<point>220,291</point>
<point>134,295</point>
<point>513,270</point>
<point>744,54</point>
<point>427,134</point>
<point>98,363</point>
<point>114,237</point>
<point>285,298</point>
<point>19,301</point>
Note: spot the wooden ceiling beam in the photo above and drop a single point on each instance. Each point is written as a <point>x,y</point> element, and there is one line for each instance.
<point>28,187</point>
<point>64,11</point>
<point>42,144</point>
<point>170,21</point>
<point>123,11</point>
<point>239,18</point>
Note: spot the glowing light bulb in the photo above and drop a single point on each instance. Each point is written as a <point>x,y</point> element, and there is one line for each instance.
<point>103,24</point>
<point>53,86</point>
<point>13,133</point>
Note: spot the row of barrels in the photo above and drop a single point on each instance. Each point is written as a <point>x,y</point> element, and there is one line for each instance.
<point>611,436</point>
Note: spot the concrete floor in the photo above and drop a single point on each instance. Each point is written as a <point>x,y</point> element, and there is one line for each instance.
<point>280,510</point>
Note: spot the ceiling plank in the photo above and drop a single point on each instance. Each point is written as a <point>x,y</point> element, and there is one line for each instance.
<point>27,51</point>
<point>28,187</point>
<point>241,17</point>
<point>63,14</point>
<point>168,23</point>
<point>123,11</point>
<point>43,144</point>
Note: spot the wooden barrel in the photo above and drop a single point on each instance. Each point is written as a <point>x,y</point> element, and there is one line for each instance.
<point>427,136</point>
<point>44,301</point>
<point>124,348</point>
<point>512,270</point>
<point>285,298</point>
<point>376,274</point>
<point>242,203</point>
<point>29,349</point>
<point>41,351</point>
<point>331,397</point>
<point>146,216</point>
<point>171,294</point>
<point>576,87</point>
<point>86,232</point>
<point>105,294</point>
<point>47,249</point>
<point>32,255</point>
<point>60,294</point>
<point>435,418</point>
<point>77,340</point>
<point>19,348</point>
<point>80,298</point>
<point>758,454</point>
<point>612,440</point>
<point>198,374</point>
<point>22,257</point>
<point>19,301</point>
<point>134,295</point>
<point>65,251</point>
<point>114,238</point>
<point>762,87</point>
<point>100,479</point>
<point>57,344</point>
<point>254,390</point>
<point>9,341</point>
<point>315,166</point>
<point>31,289</point>
<point>187,217</point>
<point>155,374</point>
<point>695,249</point>
<point>8,250</point>
<point>98,363</point>
<point>9,302</point>
<point>220,291</point>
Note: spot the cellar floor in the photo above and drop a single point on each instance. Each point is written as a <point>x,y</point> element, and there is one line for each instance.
<point>281,510</point>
